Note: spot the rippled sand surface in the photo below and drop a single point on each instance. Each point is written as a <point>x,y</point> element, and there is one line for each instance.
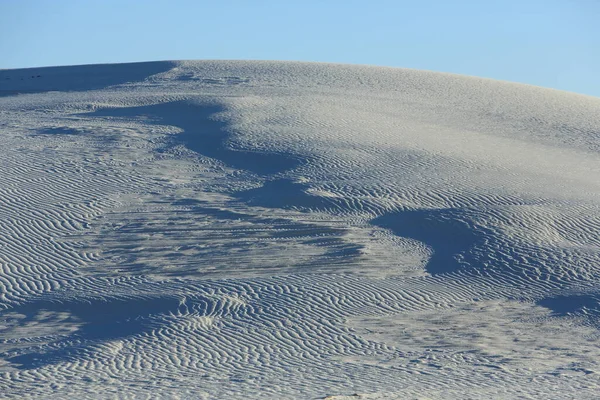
<point>280,230</point>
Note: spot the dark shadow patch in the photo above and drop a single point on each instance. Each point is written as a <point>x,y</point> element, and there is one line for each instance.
<point>59,131</point>
<point>205,135</point>
<point>445,232</point>
<point>284,193</point>
<point>99,320</point>
<point>77,77</point>
<point>574,304</point>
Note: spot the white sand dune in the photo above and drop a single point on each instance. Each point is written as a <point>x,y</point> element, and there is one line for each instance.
<point>279,230</point>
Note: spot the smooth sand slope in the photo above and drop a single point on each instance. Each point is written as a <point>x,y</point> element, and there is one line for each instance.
<point>277,230</point>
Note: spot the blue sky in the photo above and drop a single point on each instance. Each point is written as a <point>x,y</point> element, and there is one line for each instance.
<point>552,43</point>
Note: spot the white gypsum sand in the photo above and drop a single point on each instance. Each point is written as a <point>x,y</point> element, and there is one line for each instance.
<point>280,230</point>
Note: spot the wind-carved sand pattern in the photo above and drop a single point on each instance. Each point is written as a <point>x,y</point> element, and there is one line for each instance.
<point>204,230</point>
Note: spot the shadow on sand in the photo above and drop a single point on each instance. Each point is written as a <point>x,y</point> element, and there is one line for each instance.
<point>442,230</point>
<point>98,321</point>
<point>77,77</point>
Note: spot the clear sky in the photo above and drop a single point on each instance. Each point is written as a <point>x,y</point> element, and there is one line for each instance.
<point>552,43</point>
